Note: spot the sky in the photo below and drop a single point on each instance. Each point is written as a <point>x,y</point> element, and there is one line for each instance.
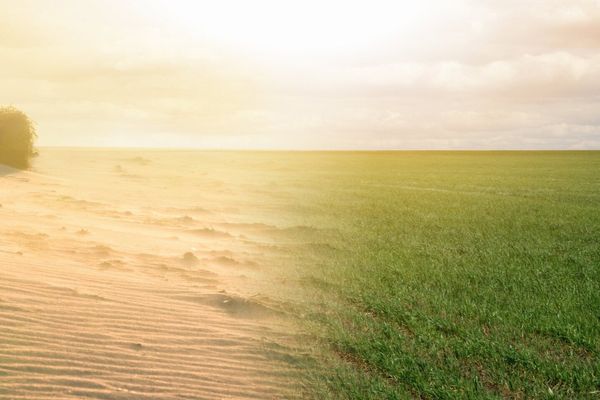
<point>337,74</point>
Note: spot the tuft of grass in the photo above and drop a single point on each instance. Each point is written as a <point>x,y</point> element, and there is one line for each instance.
<point>453,274</point>
<point>17,137</point>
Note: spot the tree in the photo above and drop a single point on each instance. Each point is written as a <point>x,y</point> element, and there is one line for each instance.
<point>17,137</point>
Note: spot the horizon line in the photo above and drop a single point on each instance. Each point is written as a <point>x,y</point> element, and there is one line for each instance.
<point>305,150</point>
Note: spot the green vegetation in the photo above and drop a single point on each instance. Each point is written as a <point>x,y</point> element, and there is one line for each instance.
<point>451,275</point>
<point>17,136</point>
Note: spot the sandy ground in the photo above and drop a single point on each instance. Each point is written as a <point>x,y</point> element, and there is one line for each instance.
<point>134,275</point>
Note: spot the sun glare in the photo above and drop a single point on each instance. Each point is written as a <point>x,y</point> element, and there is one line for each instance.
<point>284,28</point>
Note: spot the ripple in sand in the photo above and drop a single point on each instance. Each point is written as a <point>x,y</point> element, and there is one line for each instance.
<point>233,305</point>
<point>209,233</point>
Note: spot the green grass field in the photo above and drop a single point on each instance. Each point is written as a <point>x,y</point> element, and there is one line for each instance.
<point>451,275</point>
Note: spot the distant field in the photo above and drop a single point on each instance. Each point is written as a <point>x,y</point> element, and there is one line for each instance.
<point>453,274</point>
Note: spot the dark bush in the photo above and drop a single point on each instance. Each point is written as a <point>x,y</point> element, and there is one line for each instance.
<point>17,136</point>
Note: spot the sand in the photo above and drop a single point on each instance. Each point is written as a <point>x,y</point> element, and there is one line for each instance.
<point>139,275</point>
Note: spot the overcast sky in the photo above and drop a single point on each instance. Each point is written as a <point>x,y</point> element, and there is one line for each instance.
<point>485,74</point>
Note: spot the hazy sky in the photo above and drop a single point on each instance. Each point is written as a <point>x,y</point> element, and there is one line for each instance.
<point>305,74</point>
